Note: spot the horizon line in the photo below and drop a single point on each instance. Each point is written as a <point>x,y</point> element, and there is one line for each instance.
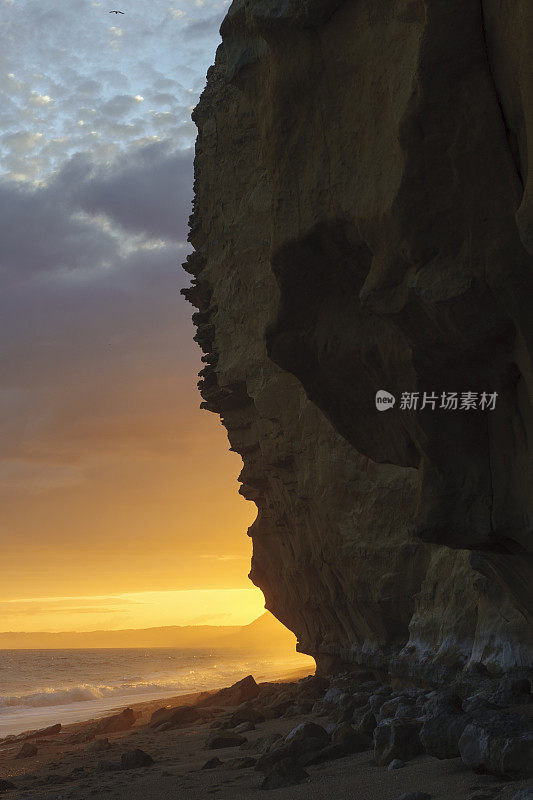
<point>128,630</point>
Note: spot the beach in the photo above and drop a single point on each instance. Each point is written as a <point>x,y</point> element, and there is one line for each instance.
<point>76,763</point>
<point>40,687</point>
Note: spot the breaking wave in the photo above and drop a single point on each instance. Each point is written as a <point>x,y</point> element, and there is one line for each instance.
<point>84,693</point>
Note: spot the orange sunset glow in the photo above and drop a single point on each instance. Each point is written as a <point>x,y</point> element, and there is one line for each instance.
<point>147,504</point>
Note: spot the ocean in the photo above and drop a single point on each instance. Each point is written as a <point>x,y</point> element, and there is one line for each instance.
<point>42,687</point>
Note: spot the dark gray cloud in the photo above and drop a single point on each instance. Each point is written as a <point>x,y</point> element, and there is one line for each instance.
<point>163,98</point>
<point>147,190</point>
<point>120,105</point>
<point>206,27</point>
<point>90,266</point>
<point>40,232</point>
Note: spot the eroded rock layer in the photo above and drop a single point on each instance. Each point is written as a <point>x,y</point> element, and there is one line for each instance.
<point>363,221</point>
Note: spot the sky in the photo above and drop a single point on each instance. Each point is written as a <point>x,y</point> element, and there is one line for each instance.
<point>113,484</point>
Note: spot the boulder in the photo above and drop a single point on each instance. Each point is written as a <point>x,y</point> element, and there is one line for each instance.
<point>367,679</point>
<point>285,773</point>
<point>479,707</point>
<point>414,796</point>
<point>512,691</point>
<point>27,750</point>
<point>245,714</point>
<point>106,766</point>
<point>444,701</point>
<point>440,734</point>
<point>81,737</point>
<point>118,722</point>
<point>367,724</point>
<point>240,692</point>
<point>360,699</point>
<point>500,744</point>
<point>312,687</point>
<point>303,744</point>
<point>413,694</point>
<point>334,696</point>
<point>243,762</point>
<point>278,752</point>
<point>277,710</point>
<point>304,706</point>
<point>306,730</point>
<point>396,763</point>
<point>320,709</point>
<point>517,757</point>
<point>212,763</point>
<point>343,713</point>
<point>396,739</point>
<point>328,753</point>
<point>159,715</point>
<point>305,741</point>
<point>174,718</point>
<point>376,701</point>
<point>263,744</point>
<point>98,746</point>
<point>51,730</point>
<point>244,727</point>
<point>350,740</point>
<point>134,759</point>
<point>219,740</point>
<point>406,711</point>
<point>388,709</point>
<point>481,795</point>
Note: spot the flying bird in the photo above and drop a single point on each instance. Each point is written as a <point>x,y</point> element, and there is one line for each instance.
<point>116,12</point>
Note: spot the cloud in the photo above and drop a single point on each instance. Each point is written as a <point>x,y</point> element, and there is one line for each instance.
<point>88,87</point>
<point>206,27</point>
<point>31,478</point>
<point>120,105</point>
<point>58,605</point>
<point>223,558</point>
<point>90,265</point>
<point>163,98</point>
<point>39,234</point>
<point>40,99</point>
<point>147,190</point>
<point>21,142</point>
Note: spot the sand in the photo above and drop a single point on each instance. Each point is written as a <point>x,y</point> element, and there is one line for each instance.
<point>64,771</point>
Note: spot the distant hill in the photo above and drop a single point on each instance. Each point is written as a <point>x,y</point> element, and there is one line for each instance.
<point>265,634</point>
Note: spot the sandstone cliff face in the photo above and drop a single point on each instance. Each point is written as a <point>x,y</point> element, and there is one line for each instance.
<point>363,220</point>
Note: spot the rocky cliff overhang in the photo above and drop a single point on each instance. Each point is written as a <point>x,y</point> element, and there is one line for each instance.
<point>363,222</point>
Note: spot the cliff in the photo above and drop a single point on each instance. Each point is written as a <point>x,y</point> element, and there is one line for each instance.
<point>363,221</point>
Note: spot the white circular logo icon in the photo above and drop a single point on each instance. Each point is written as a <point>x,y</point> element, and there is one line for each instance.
<point>384,400</point>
